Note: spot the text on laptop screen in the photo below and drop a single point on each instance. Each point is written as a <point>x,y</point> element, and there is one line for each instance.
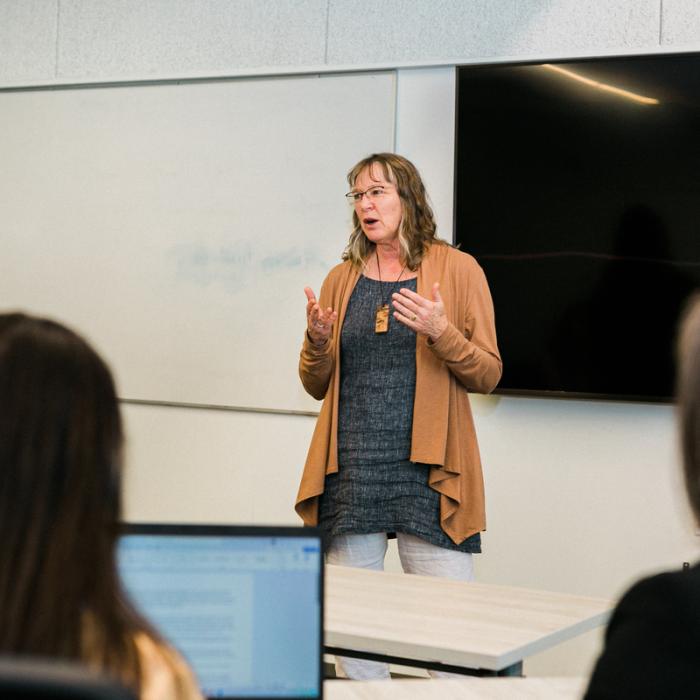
<point>243,610</point>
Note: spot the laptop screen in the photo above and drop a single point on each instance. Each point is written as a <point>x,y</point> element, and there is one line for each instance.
<point>243,605</point>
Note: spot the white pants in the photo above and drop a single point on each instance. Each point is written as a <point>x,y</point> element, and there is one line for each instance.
<point>417,557</point>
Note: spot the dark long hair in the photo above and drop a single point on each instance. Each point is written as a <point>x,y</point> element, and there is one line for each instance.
<point>60,501</point>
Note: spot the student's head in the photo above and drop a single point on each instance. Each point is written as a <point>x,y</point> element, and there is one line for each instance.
<point>60,447</point>
<point>688,393</point>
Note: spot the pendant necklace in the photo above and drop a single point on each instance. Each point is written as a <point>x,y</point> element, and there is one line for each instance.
<point>381,317</point>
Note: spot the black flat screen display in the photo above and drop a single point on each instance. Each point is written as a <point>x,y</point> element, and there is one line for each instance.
<point>578,191</point>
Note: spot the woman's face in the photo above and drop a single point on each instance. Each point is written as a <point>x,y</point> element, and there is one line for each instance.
<point>379,209</point>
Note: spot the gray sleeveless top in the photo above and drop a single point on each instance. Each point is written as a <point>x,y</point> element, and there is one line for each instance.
<point>377,488</point>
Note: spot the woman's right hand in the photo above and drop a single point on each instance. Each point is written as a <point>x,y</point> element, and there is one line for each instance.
<point>319,323</point>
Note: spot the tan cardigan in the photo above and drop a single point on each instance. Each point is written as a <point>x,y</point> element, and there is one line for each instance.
<point>465,357</point>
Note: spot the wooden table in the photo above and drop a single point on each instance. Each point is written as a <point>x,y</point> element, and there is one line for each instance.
<point>467,689</point>
<point>448,625</point>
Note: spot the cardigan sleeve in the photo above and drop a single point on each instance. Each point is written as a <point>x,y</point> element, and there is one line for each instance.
<point>316,363</point>
<point>472,354</point>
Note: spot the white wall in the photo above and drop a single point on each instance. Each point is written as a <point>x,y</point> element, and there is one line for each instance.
<point>583,496</point>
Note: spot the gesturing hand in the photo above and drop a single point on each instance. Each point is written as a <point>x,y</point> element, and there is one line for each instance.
<point>319,323</point>
<point>421,314</point>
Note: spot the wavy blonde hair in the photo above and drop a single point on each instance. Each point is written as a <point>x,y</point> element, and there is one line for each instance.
<point>417,228</point>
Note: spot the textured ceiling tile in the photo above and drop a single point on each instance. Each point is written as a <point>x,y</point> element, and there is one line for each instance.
<point>680,23</point>
<point>27,40</point>
<point>141,38</point>
<point>402,30</point>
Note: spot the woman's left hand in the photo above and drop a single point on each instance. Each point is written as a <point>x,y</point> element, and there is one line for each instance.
<point>421,314</point>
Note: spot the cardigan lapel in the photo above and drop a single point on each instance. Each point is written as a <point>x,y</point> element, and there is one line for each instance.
<point>431,402</point>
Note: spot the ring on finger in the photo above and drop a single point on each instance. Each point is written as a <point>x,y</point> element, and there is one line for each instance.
<point>414,317</point>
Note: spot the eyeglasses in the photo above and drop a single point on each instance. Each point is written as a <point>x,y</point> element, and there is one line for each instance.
<point>373,194</point>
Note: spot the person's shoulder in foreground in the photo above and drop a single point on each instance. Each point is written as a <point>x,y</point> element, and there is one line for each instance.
<point>165,674</point>
<point>652,644</point>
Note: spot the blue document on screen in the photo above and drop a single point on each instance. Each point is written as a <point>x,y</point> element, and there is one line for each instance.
<point>243,605</point>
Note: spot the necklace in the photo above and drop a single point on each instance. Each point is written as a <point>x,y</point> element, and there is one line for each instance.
<point>381,317</point>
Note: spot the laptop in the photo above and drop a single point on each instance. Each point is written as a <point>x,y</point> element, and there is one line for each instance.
<point>243,605</point>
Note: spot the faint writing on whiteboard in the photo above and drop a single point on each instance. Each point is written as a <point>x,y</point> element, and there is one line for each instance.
<point>233,268</point>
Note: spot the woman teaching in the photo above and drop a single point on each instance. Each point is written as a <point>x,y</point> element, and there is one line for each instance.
<point>402,330</point>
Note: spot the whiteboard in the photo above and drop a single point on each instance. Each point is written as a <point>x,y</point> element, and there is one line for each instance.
<point>176,225</point>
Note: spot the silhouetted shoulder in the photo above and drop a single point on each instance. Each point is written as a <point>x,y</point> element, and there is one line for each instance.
<point>652,641</point>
